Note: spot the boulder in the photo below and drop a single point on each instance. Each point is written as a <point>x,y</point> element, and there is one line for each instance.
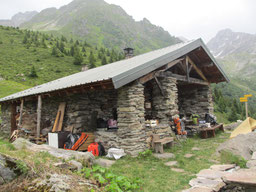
<point>243,177</point>
<point>223,167</point>
<point>242,145</point>
<point>8,169</point>
<point>171,163</point>
<point>164,155</point>
<point>104,162</point>
<point>86,157</point>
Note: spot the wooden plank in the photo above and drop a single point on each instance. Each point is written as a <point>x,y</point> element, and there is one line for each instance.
<point>197,69</point>
<point>54,129</point>
<point>21,112</point>
<point>62,112</point>
<point>159,86</point>
<point>39,108</point>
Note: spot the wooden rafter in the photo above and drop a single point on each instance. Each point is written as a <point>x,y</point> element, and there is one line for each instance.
<point>183,78</point>
<point>197,69</point>
<point>152,75</point>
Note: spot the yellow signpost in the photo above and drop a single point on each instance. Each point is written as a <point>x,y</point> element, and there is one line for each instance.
<point>245,100</point>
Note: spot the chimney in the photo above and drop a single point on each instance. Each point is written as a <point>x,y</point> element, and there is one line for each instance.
<point>128,52</point>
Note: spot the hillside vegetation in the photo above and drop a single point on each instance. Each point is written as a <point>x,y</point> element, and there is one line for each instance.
<point>33,58</point>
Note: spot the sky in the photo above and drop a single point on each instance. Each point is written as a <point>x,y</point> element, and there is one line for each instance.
<point>191,19</point>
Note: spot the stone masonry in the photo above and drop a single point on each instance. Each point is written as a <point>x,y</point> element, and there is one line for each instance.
<point>131,121</point>
<point>195,100</point>
<point>165,106</point>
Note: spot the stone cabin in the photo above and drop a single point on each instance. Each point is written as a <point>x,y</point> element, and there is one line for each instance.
<point>154,85</point>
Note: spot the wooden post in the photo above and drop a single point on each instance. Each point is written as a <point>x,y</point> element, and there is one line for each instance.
<point>187,69</point>
<point>13,117</point>
<point>39,107</point>
<point>246,109</point>
<point>21,111</point>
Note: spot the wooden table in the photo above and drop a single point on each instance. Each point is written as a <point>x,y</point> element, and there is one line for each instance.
<point>159,144</point>
<point>210,132</point>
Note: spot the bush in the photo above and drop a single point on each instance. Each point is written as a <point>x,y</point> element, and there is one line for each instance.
<point>109,180</point>
<point>228,157</point>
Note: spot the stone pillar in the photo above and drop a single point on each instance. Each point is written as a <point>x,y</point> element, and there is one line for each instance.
<point>206,101</point>
<point>131,122</point>
<point>165,106</point>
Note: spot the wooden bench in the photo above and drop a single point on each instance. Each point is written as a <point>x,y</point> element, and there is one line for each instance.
<point>210,132</point>
<point>159,144</point>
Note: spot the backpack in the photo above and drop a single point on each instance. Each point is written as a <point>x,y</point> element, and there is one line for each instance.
<point>96,149</point>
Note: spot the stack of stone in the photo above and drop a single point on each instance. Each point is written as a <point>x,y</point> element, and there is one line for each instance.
<point>131,122</point>
<point>196,100</point>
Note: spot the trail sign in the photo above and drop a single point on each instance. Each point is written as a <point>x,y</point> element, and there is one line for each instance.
<point>250,95</point>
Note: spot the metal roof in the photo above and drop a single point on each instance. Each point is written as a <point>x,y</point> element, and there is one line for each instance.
<point>120,72</point>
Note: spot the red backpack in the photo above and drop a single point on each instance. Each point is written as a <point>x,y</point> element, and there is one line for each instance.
<point>96,149</point>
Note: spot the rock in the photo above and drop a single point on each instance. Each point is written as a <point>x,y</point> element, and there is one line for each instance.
<point>164,155</point>
<point>45,131</point>
<point>55,182</point>
<point>251,164</point>
<point>223,167</point>
<point>232,126</point>
<point>8,169</point>
<point>104,162</point>
<point>254,156</point>
<point>178,170</point>
<point>65,166</point>
<point>195,149</point>
<point>188,155</point>
<point>214,185</point>
<point>243,177</point>
<point>77,164</point>
<point>211,174</point>
<point>242,145</point>
<point>171,163</point>
<point>86,157</point>
<point>198,189</point>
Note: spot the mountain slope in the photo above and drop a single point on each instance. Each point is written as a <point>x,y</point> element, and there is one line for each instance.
<point>18,19</point>
<point>34,58</point>
<point>236,53</point>
<point>101,23</point>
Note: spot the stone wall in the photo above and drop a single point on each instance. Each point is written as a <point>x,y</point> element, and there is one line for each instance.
<point>82,110</point>
<point>131,121</point>
<point>195,100</point>
<point>5,126</point>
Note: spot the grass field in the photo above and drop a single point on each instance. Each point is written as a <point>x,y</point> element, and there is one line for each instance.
<point>156,176</point>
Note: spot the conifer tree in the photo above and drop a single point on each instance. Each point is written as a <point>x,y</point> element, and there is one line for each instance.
<point>103,60</point>
<point>33,73</point>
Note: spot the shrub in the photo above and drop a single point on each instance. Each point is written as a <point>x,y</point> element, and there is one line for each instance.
<point>228,157</point>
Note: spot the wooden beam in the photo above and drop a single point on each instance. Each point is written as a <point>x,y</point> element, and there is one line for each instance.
<point>187,69</point>
<point>183,78</point>
<point>197,69</point>
<point>39,108</point>
<point>151,75</point>
<point>147,77</point>
<point>21,111</point>
<point>159,86</point>
<point>13,117</point>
